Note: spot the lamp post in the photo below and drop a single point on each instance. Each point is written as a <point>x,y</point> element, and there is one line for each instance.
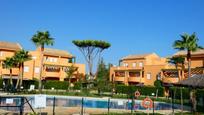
<point>153,102</point>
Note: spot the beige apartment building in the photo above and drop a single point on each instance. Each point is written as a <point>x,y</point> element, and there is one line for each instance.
<point>55,63</point>
<point>138,69</point>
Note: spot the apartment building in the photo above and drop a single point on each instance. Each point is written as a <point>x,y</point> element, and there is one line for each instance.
<point>55,63</point>
<point>138,69</point>
<point>170,74</point>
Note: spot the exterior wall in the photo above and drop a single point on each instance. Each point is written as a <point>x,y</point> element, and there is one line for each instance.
<point>130,62</point>
<point>6,53</point>
<point>154,71</point>
<point>197,63</point>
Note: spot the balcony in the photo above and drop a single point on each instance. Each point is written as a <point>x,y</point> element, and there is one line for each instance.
<point>52,74</point>
<point>15,71</point>
<point>170,80</point>
<point>134,79</point>
<point>119,79</point>
<point>126,68</point>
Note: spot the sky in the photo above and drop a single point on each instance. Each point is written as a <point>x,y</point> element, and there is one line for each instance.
<point>131,26</point>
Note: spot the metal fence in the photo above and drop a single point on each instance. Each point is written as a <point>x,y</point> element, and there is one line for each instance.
<point>59,105</point>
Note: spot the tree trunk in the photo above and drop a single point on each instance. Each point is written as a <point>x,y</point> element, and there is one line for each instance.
<point>41,68</point>
<point>90,69</point>
<point>181,100</point>
<point>69,80</point>
<point>189,63</point>
<point>19,76</point>
<point>193,100</point>
<point>22,72</point>
<point>11,81</point>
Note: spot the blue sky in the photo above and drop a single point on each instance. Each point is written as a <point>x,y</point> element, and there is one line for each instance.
<point>131,26</point>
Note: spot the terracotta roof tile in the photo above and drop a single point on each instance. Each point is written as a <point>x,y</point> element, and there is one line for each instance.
<point>10,46</point>
<point>200,51</point>
<point>57,52</point>
<point>136,56</point>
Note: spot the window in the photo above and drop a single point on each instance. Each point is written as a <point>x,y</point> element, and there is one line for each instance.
<point>26,69</point>
<point>1,53</point>
<point>148,75</point>
<point>55,59</point>
<point>33,57</point>
<point>125,64</point>
<point>133,64</point>
<point>37,70</point>
<point>51,59</point>
<point>141,64</point>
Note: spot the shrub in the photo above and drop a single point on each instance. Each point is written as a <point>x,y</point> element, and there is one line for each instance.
<point>77,85</point>
<point>144,90</point>
<point>185,92</point>
<point>56,84</point>
<point>158,83</point>
<point>26,84</point>
<point>1,83</point>
<point>200,99</point>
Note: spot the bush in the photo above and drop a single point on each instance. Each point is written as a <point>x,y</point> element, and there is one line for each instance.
<point>158,83</point>
<point>26,84</point>
<point>144,90</point>
<point>185,92</point>
<point>200,99</point>
<point>1,83</point>
<point>56,84</point>
<point>77,85</point>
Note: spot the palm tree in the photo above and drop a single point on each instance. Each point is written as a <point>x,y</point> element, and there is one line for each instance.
<point>40,39</point>
<point>9,63</point>
<point>20,57</point>
<point>176,61</point>
<point>188,43</point>
<point>70,72</point>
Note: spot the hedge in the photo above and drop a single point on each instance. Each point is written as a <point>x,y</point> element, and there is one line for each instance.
<point>26,84</point>
<point>144,90</point>
<point>200,99</point>
<point>177,91</point>
<point>56,84</point>
<point>1,82</point>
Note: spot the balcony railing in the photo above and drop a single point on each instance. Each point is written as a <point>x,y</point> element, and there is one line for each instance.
<point>126,68</point>
<point>134,79</point>
<point>15,71</point>
<point>52,74</point>
<point>119,79</point>
<point>170,80</point>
